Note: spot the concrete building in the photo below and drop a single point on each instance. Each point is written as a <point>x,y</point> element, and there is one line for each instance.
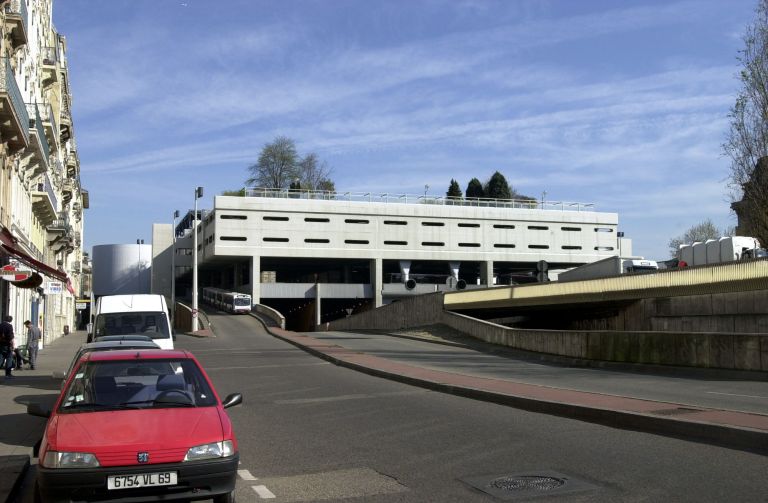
<point>41,199</point>
<point>322,255</point>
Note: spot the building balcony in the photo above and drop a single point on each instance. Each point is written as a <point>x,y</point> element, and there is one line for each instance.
<point>44,201</point>
<point>49,124</point>
<point>17,20</point>
<point>68,187</point>
<point>50,65</point>
<point>75,266</point>
<point>61,235</point>
<point>14,119</point>
<point>35,158</point>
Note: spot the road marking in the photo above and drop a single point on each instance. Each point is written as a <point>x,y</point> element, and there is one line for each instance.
<point>735,394</point>
<point>263,492</point>
<point>341,398</point>
<point>246,475</point>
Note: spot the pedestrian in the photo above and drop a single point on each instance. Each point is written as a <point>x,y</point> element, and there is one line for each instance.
<point>33,340</point>
<point>7,355</point>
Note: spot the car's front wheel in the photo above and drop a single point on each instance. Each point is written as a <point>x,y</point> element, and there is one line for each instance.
<point>225,498</point>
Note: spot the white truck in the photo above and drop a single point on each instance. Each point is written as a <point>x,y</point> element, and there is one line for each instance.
<point>611,266</point>
<point>716,251</point>
<point>141,314</point>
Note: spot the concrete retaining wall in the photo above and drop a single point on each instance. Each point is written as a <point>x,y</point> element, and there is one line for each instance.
<point>735,351</point>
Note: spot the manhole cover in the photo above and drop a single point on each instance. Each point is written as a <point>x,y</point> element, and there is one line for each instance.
<point>528,484</point>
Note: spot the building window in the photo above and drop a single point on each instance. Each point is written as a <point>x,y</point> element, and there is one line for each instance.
<point>603,229</point>
<point>313,219</point>
<point>232,238</point>
<point>538,247</point>
<point>503,226</point>
<point>538,228</point>
<point>276,219</point>
<point>604,248</point>
<point>355,221</point>
<point>570,229</point>
<point>396,243</point>
<point>503,245</point>
<point>275,240</point>
<point>432,243</point>
<point>469,245</point>
<point>468,225</point>
<point>356,241</point>
<point>315,240</point>
<point>567,247</point>
<point>432,224</point>
<point>395,222</point>
<point>233,217</point>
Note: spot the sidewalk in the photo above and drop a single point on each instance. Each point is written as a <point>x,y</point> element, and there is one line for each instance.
<point>727,428</point>
<point>20,431</point>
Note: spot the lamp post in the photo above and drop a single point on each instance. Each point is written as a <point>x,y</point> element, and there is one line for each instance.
<point>198,195</point>
<point>173,265</point>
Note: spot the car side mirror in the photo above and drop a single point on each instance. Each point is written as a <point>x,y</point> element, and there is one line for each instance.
<point>35,409</point>
<point>232,400</point>
<point>58,374</point>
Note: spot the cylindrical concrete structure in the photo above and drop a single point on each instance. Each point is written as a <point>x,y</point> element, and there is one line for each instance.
<point>122,269</point>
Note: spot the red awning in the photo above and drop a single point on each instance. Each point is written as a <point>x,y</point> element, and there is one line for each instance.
<point>8,244</point>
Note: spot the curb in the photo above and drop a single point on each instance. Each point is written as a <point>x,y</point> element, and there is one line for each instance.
<point>740,438</point>
<point>13,493</point>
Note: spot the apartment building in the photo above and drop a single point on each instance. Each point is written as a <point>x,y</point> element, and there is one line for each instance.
<point>41,198</point>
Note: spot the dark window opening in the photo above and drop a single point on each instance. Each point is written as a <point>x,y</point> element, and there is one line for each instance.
<point>503,226</point>
<point>355,221</point>
<point>403,243</point>
<point>432,224</point>
<point>356,241</point>
<point>604,248</point>
<point>276,219</point>
<point>395,222</point>
<point>603,229</point>
<point>538,227</point>
<point>313,240</point>
<point>571,229</point>
<point>312,219</point>
<point>567,247</point>
<point>276,240</point>
<point>469,245</point>
<point>469,225</point>
<point>539,247</point>
<point>233,217</point>
<point>503,245</point>
<point>432,243</point>
<point>233,238</point>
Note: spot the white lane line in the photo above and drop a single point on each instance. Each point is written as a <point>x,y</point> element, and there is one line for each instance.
<point>263,492</point>
<point>735,394</point>
<point>246,475</point>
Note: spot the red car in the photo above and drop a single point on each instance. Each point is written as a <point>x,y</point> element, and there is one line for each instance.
<point>137,425</point>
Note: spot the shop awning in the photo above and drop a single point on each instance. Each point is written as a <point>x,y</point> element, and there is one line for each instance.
<point>8,245</point>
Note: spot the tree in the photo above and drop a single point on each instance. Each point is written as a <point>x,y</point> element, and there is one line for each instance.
<point>700,232</point>
<point>497,187</point>
<point>747,139</point>
<point>326,185</point>
<point>277,165</point>
<point>475,189</point>
<point>312,172</point>
<point>454,190</point>
<point>235,192</point>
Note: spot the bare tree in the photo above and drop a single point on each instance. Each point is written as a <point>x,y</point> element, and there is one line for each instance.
<point>313,173</point>
<point>747,139</point>
<point>277,165</point>
<point>700,232</point>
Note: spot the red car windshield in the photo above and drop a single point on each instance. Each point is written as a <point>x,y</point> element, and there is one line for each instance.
<point>136,383</point>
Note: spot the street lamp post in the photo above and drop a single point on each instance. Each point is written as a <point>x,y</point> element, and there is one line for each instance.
<point>173,266</point>
<point>198,195</point>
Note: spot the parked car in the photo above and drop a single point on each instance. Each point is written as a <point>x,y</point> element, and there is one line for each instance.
<point>137,426</point>
<point>104,345</point>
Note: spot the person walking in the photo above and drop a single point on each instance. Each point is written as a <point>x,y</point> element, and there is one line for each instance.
<point>7,355</point>
<point>33,340</point>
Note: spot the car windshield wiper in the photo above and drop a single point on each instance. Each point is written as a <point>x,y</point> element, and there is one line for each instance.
<point>174,403</point>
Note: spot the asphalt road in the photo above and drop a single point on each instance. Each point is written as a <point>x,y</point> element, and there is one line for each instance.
<point>312,431</point>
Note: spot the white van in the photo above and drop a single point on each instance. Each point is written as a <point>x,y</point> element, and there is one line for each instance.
<point>144,314</point>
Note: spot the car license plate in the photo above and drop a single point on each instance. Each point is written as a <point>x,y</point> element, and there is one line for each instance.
<point>141,480</point>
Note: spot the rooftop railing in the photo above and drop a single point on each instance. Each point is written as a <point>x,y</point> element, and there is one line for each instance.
<point>373,197</point>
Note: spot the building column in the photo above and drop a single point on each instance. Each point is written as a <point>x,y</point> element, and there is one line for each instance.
<point>486,272</point>
<point>256,279</point>
<point>377,280</point>
<point>318,306</point>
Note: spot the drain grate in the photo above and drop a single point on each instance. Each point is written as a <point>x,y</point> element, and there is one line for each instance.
<point>527,485</point>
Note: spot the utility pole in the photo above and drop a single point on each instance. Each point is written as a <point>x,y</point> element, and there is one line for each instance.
<point>198,195</point>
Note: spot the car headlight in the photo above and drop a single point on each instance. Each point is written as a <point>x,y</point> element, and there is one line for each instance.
<point>210,451</point>
<point>55,459</point>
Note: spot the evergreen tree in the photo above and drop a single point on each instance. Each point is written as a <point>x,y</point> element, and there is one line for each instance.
<point>475,189</point>
<point>454,190</point>
<point>497,187</point>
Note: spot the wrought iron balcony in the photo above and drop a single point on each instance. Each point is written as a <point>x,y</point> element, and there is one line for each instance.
<point>44,201</point>
<point>50,65</point>
<point>17,19</point>
<point>49,123</point>
<point>36,156</point>
<point>14,119</point>
<point>60,226</point>
<point>73,163</point>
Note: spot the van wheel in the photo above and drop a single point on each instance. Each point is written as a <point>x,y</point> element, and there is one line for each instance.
<point>225,498</point>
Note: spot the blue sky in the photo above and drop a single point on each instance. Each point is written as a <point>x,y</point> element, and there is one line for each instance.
<point>620,104</point>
